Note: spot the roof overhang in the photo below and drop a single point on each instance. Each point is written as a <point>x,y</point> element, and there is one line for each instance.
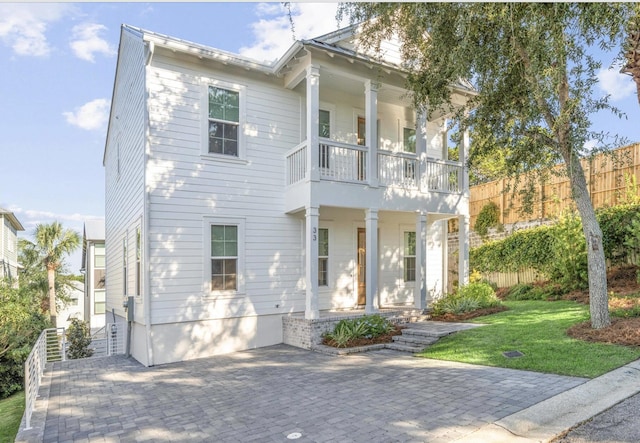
<point>12,219</point>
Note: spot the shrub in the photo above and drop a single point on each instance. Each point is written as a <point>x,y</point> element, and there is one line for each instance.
<point>367,326</point>
<point>519,292</point>
<point>488,217</point>
<point>79,340</point>
<point>559,251</point>
<point>21,322</point>
<point>466,299</point>
<point>569,264</point>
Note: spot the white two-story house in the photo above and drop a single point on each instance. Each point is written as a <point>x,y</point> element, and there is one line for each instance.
<point>240,193</point>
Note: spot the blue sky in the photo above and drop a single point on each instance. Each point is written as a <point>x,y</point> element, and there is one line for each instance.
<point>58,64</point>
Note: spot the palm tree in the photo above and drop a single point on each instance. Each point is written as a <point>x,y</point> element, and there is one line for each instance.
<point>632,50</point>
<point>53,243</point>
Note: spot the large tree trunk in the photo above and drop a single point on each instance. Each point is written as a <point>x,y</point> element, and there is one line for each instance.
<point>597,268</point>
<point>51,277</point>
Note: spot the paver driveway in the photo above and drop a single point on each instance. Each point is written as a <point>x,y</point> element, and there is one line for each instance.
<point>273,393</point>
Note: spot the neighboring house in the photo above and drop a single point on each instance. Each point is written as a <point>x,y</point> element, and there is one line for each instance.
<point>241,193</point>
<point>93,267</point>
<point>74,308</point>
<point>9,227</point>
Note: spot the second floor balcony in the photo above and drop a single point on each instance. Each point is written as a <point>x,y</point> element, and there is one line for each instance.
<point>347,163</point>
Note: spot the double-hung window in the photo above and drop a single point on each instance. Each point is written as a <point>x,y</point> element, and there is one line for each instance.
<point>224,257</point>
<point>323,257</point>
<point>224,121</point>
<point>409,140</point>
<point>409,146</point>
<point>324,131</point>
<point>409,256</point>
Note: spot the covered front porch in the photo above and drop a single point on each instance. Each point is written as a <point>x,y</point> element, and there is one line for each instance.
<point>374,260</point>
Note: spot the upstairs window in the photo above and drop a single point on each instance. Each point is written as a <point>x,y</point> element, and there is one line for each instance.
<point>409,140</point>
<point>324,126</point>
<point>409,256</point>
<point>224,121</point>
<point>324,131</point>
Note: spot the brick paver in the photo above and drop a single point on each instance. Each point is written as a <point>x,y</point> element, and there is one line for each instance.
<point>267,394</point>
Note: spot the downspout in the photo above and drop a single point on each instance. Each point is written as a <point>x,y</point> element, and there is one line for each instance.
<point>145,215</point>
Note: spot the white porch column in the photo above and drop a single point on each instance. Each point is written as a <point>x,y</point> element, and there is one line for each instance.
<point>371,226</point>
<point>312,214</point>
<point>420,291</point>
<point>313,119</point>
<point>371,130</point>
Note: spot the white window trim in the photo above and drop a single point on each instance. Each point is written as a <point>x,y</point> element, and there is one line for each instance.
<point>206,247</point>
<point>242,119</point>
<point>329,234</point>
<point>331,109</point>
<point>408,125</point>
<point>401,230</point>
<point>331,275</point>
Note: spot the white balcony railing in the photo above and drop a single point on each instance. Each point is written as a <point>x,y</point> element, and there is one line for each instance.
<point>342,161</point>
<point>297,163</point>
<point>398,169</point>
<point>348,163</point>
<point>442,176</point>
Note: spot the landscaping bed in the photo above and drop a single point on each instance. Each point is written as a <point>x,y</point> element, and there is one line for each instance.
<point>363,341</point>
<point>624,305</point>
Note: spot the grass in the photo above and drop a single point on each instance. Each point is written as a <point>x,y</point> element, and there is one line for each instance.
<point>11,410</point>
<point>538,330</point>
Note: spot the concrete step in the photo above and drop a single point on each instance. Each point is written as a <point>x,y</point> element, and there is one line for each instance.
<point>404,348</point>
<point>412,331</point>
<point>415,340</point>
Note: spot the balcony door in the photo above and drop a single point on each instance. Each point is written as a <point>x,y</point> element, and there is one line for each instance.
<point>362,267</point>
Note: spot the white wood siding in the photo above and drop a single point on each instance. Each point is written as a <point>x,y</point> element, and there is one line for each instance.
<point>124,170</point>
<point>186,186</point>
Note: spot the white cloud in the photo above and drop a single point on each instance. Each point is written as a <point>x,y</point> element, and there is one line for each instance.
<point>90,116</point>
<point>23,26</point>
<point>86,41</point>
<point>612,82</point>
<point>35,216</point>
<point>272,31</point>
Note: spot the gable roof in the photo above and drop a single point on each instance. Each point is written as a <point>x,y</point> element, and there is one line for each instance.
<point>12,219</point>
<point>94,230</point>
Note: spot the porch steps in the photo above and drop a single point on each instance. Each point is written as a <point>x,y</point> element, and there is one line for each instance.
<point>418,335</point>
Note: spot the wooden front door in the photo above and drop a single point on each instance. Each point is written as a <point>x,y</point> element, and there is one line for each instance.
<point>362,266</point>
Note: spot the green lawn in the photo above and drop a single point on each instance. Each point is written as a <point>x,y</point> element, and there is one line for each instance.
<point>11,410</point>
<point>538,330</point>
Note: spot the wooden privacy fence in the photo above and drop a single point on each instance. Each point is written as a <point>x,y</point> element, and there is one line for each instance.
<point>612,178</point>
